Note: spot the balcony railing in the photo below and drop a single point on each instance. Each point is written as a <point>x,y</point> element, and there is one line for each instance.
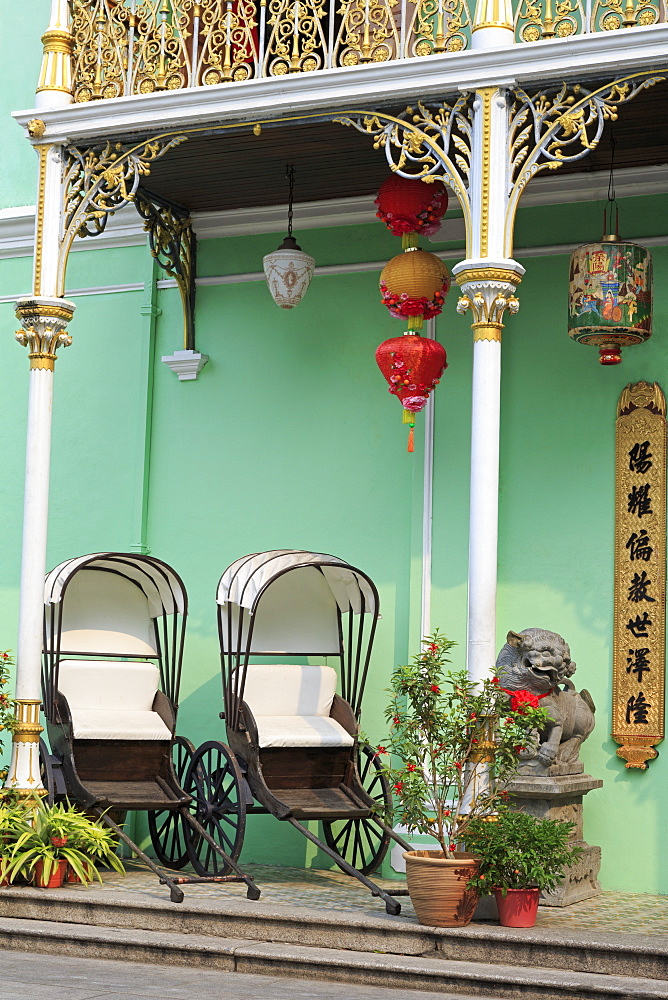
<point>124,47</point>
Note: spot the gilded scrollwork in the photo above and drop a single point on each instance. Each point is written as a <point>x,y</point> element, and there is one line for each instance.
<point>610,15</point>
<point>174,245</point>
<point>561,125</point>
<point>430,143</point>
<point>368,33</point>
<point>439,26</point>
<point>536,20</point>
<point>297,41</point>
<point>100,180</point>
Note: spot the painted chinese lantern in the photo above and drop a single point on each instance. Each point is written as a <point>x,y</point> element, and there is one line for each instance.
<point>413,286</point>
<point>411,206</point>
<point>610,296</point>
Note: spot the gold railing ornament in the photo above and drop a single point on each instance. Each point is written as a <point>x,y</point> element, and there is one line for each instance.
<point>639,645</point>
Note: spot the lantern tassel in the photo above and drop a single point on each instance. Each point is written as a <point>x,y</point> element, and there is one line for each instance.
<point>408,417</point>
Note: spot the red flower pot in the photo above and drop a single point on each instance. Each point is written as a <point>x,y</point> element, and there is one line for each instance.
<point>55,880</point>
<point>73,877</point>
<point>518,908</point>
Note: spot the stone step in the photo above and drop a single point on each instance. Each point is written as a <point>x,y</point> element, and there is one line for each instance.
<point>472,979</point>
<point>630,955</point>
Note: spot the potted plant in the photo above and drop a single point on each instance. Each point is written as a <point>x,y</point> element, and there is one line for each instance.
<point>520,856</point>
<point>457,744</point>
<point>44,849</point>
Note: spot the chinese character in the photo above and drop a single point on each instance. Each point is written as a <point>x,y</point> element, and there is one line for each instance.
<point>638,708</point>
<point>639,458</point>
<point>598,262</point>
<point>638,662</point>
<point>639,546</point>
<point>638,626</point>
<point>639,500</point>
<point>638,588</point>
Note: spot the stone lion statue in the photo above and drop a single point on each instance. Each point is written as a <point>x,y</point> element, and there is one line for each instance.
<point>540,661</point>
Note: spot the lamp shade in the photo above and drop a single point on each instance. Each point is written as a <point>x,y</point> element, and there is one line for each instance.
<point>610,297</point>
<point>288,271</point>
<point>411,206</point>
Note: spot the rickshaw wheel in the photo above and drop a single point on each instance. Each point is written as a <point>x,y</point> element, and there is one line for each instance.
<point>216,785</point>
<point>46,773</point>
<point>166,827</point>
<point>361,842</point>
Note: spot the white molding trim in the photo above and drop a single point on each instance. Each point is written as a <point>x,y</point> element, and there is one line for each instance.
<point>557,249</point>
<point>589,56</point>
<point>125,228</point>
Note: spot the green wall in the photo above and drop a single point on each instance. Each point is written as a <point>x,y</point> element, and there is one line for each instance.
<point>289,438</point>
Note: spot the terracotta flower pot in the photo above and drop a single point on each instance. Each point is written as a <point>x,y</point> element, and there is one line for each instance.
<point>518,908</point>
<point>437,887</point>
<point>72,876</point>
<point>56,877</point>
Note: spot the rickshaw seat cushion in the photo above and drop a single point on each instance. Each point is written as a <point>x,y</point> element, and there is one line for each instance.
<point>301,731</point>
<point>291,705</point>
<point>112,699</point>
<point>289,689</point>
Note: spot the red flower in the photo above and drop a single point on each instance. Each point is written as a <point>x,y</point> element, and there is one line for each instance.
<point>520,699</point>
<point>396,719</point>
<point>59,841</point>
<point>398,787</point>
<point>410,767</point>
<point>453,847</point>
<point>458,765</point>
<point>518,750</point>
<point>432,648</point>
<point>495,680</point>
<point>435,688</point>
<point>380,750</point>
<point>504,795</point>
<point>446,812</point>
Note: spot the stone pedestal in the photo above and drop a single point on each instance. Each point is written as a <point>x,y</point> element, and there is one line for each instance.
<point>559,796</point>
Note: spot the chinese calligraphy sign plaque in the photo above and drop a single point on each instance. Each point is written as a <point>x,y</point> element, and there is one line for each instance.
<point>640,573</point>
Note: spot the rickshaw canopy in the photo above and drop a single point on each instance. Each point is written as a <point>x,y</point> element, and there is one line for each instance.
<point>245,581</point>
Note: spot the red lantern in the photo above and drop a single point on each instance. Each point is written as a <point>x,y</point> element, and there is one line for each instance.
<point>411,206</point>
<point>412,366</point>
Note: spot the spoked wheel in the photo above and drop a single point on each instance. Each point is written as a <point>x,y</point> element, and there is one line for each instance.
<point>361,842</point>
<point>216,785</point>
<point>46,773</point>
<point>166,827</point>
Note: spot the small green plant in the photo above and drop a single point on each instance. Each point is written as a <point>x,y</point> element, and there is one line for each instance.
<point>458,743</point>
<point>520,851</point>
<point>97,842</point>
<point>7,717</point>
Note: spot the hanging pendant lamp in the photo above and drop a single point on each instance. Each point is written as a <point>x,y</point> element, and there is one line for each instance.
<point>610,289</point>
<point>288,269</point>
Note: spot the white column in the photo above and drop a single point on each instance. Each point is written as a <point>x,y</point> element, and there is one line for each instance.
<point>44,318</point>
<point>488,279</point>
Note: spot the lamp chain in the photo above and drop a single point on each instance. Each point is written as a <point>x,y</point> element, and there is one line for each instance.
<point>290,174</point>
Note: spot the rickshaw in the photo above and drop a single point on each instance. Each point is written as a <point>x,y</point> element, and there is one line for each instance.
<point>292,745</point>
<point>114,629</point>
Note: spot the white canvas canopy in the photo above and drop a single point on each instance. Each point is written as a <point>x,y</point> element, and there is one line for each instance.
<point>161,586</point>
<point>245,581</point>
<point>105,603</point>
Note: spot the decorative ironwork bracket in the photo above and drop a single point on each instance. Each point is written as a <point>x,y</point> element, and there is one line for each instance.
<point>100,180</point>
<point>546,129</point>
<point>174,245</point>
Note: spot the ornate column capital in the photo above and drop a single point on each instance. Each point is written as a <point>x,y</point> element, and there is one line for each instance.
<point>488,290</point>
<point>44,322</point>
